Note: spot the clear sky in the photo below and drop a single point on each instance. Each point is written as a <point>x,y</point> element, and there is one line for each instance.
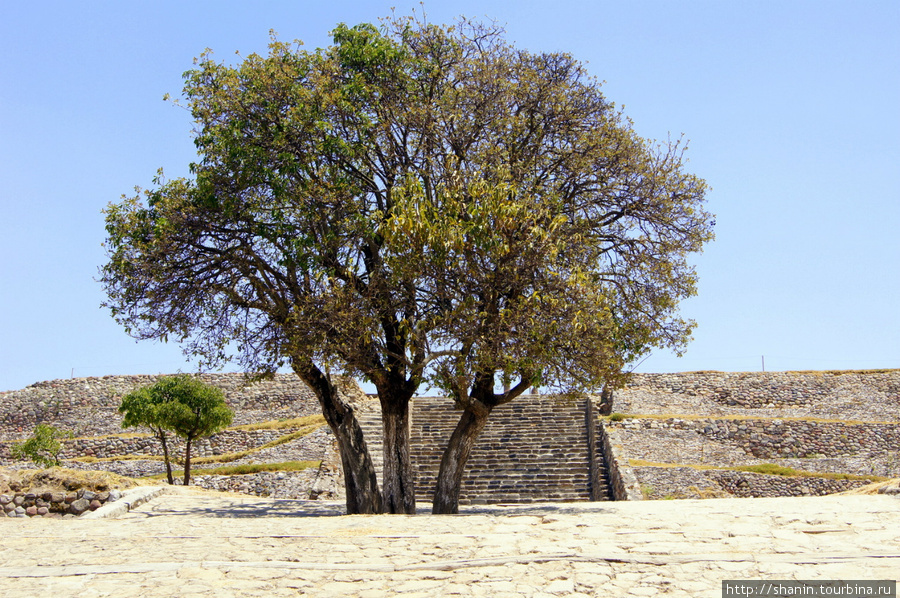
<point>792,109</point>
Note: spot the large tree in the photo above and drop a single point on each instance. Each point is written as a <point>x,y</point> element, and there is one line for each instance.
<point>415,204</point>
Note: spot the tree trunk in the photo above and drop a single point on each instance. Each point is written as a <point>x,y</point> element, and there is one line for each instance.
<point>187,461</point>
<point>453,461</point>
<point>360,482</point>
<point>165,446</point>
<point>606,400</point>
<point>397,484</point>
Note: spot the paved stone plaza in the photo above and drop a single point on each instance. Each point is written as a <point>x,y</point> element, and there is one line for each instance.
<point>196,543</point>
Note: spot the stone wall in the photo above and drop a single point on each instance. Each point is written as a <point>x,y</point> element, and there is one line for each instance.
<point>104,447</point>
<point>54,504</point>
<point>89,406</point>
<point>781,438</point>
<point>688,482</point>
<point>759,417</point>
<point>845,395</point>
<point>623,483</point>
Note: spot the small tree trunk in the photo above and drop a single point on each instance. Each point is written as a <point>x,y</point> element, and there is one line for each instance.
<point>187,461</point>
<point>453,461</point>
<point>397,484</point>
<point>360,482</point>
<point>606,400</point>
<point>165,446</point>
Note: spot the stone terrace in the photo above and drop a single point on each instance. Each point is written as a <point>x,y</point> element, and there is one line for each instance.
<point>826,422</point>
<point>678,425</point>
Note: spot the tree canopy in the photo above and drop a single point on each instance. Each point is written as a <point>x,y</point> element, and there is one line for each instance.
<point>413,204</point>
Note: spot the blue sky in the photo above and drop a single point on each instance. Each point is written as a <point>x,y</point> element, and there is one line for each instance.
<point>791,109</point>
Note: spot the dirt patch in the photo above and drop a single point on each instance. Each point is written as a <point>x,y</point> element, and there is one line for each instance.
<point>887,487</point>
<point>58,479</point>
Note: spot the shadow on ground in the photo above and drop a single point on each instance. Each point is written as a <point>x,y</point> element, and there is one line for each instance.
<point>228,507</point>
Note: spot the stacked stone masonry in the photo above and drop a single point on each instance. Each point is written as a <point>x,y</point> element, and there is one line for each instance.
<point>844,395</point>
<point>784,438</point>
<point>54,504</point>
<point>89,406</point>
<point>754,418</point>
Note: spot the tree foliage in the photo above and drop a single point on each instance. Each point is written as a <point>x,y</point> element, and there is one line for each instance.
<point>181,404</point>
<point>414,204</point>
<point>43,447</point>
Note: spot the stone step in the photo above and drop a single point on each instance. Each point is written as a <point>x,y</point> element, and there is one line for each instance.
<point>370,422</point>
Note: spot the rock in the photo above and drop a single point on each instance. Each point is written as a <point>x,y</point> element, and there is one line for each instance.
<point>79,506</point>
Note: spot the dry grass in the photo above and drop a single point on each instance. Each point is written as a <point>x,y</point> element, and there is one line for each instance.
<point>89,459</point>
<point>227,458</point>
<point>296,422</point>
<point>246,469</point>
<point>723,417</point>
<point>761,468</point>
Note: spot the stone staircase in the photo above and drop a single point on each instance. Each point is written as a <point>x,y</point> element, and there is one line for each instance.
<point>533,449</point>
<point>370,422</point>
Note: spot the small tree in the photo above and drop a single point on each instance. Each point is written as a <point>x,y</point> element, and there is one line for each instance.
<point>181,404</point>
<point>198,410</point>
<point>142,408</point>
<point>42,448</point>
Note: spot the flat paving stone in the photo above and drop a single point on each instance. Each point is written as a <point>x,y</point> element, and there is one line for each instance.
<point>193,542</point>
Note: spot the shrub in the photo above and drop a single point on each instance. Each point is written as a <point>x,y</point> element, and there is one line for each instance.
<point>43,447</point>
